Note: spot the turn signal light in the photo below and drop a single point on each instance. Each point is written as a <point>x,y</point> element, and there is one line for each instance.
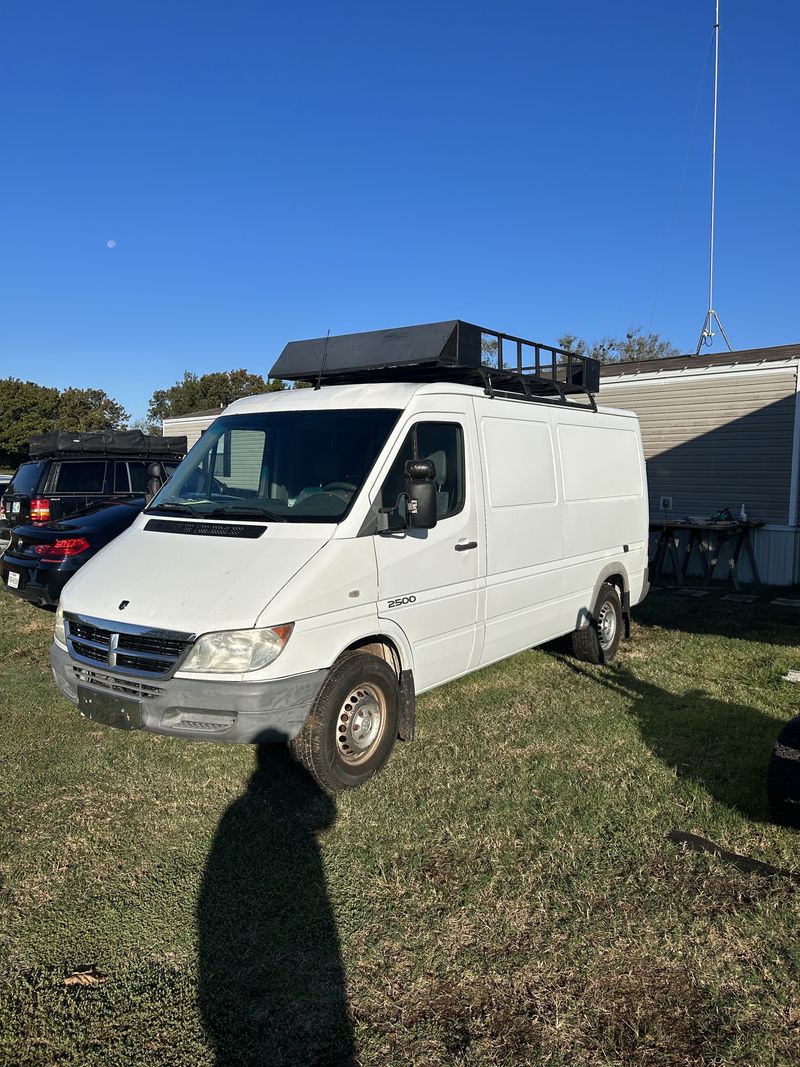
<point>40,510</point>
<point>58,550</point>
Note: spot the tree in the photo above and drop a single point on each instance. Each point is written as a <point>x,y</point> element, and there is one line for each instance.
<point>200,393</point>
<point>636,345</point>
<point>89,409</point>
<point>148,426</point>
<point>571,343</point>
<point>25,409</point>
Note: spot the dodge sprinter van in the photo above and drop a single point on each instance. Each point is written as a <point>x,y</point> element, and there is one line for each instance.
<point>323,555</point>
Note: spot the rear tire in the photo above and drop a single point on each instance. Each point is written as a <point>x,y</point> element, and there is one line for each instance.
<point>598,642</point>
<point>351,728</point>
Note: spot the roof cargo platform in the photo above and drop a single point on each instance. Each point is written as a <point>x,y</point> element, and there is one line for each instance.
<point>441,351</point>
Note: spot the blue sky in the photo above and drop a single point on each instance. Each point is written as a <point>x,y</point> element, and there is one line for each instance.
<point>270,172</point>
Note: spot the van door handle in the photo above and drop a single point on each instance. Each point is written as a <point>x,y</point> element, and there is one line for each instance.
<point>465,546</point>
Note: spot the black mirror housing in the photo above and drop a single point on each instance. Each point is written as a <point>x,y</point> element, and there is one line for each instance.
<point>421,494</point>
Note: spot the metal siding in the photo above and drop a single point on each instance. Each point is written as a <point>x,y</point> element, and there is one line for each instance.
<point>720,441</point>
<point>192,428</point>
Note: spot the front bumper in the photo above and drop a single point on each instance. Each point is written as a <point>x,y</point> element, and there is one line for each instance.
<point>237,712</point>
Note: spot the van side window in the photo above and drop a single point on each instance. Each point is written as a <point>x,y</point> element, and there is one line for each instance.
<point>443,444</point>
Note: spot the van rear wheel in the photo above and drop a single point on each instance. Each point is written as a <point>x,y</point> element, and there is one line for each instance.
<point>598,642</point>
<point>351,728</point>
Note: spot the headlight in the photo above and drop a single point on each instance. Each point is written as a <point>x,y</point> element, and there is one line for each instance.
<point>237,651</point>
<point>59,633</point>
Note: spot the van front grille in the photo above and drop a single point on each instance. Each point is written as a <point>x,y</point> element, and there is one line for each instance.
<point>132,649</point>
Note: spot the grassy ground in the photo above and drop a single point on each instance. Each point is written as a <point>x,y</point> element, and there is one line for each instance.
<point>503,893</point>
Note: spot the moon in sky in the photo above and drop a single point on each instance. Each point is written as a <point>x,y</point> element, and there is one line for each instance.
<point>111,244</point>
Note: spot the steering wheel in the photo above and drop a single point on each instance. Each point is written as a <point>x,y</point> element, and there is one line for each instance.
<point>333,486</point>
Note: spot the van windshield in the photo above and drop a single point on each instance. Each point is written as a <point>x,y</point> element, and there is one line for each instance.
<point>288,466</point>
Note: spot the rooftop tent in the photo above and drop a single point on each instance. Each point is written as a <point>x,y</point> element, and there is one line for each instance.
<point>452,343</point>
<point>107,443</point>
<point>437,351</point>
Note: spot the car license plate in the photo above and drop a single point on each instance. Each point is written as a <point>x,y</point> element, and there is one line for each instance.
<point>124,713</point>
<point>13,580</point>
<point>15,505</point>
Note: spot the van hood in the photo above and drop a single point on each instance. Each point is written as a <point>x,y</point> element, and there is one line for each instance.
<point>178,581</point>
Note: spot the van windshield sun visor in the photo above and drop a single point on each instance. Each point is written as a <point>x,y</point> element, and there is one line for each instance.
<point>440,351</point>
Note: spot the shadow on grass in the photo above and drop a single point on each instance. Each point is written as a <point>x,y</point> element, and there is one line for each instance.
<point>272,986</point>
<point>724,746</point>
<point>759,621</point>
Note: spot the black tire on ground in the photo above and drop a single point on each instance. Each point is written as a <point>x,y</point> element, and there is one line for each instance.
<point>783,776</point>
<point>598,642</point>
<point>352,725</point>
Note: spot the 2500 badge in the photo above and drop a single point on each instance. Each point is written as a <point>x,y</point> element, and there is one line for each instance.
<point>401,601</point>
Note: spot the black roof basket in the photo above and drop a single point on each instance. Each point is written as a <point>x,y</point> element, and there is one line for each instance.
<point>442,351</point>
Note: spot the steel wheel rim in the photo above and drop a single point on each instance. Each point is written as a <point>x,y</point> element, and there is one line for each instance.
<point>360,723</point>
<point>607,625</point>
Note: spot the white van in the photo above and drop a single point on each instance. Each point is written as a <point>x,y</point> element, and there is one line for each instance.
<point>324,555</point>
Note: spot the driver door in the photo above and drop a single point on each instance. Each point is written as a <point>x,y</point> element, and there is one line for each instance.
<point>428,579</point>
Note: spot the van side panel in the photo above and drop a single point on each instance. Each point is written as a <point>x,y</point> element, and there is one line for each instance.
<point>605,510</point>
<point>524,581</point>
<point>603,487</point>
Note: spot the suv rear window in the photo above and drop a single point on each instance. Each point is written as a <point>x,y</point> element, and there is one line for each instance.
<point>83,476</point>
<point>27,478</point>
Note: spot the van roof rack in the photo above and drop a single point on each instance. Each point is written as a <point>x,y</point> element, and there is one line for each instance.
<point>443,351</point>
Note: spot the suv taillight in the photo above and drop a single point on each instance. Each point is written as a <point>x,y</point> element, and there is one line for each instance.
<point>68,546</point>
<point>40,509</point>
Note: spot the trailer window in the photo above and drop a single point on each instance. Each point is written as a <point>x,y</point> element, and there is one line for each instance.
<point>443,444</point>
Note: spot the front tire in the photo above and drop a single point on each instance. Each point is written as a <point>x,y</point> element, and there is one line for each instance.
<point>598,642</point>
<point>351,728</point>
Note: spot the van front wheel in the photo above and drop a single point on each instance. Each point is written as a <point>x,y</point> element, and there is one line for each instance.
<point>598,642</point>
<point>350,730</point>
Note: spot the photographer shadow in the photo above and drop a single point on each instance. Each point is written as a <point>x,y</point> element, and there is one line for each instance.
<point>272,988</point>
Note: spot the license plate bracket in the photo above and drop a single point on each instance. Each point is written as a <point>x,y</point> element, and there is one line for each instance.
<point>110,709</point>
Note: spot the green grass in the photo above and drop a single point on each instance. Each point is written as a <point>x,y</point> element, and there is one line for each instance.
<point>503,893</point>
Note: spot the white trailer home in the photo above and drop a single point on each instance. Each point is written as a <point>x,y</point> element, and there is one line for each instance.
<point>720,431</point>
<point>323,555</point>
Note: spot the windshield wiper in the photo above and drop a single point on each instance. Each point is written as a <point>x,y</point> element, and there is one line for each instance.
<point>178,506</point>
<point>252,510</point>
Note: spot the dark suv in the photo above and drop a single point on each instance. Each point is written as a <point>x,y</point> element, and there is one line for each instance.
<point>70,471</point>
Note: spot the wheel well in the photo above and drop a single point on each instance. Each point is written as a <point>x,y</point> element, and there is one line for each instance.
<point>381,647</point>
<point>618,581</point>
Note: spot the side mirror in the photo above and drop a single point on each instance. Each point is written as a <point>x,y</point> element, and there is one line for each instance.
<point>421,494</point>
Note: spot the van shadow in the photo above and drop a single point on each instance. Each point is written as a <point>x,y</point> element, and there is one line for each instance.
<point>271,981</point>
<point>723,746</point>
<point>711,615</point>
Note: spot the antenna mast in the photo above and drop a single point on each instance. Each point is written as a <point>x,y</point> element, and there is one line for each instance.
<point>707,332</point>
